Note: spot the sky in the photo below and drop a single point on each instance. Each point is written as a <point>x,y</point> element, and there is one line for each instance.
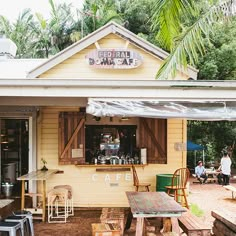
<point>11,8</point>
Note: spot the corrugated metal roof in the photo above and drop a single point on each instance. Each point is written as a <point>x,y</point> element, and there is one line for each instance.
<point>18,68</point>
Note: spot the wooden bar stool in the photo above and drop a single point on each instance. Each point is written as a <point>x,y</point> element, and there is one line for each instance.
<point>57,198</point>
<point>70,202</point>
<point>10,227</point>
<point>20,219</point>
<point>29,217</point>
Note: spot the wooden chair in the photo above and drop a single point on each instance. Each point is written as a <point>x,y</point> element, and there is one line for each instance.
<point>178,185</point>
<point>137,184</point>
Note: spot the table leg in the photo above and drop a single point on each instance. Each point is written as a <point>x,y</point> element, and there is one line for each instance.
<point>44,201</point>
<point>129,220</point>
<point>139,226</point>
<point>166,225</point>
<point>22,195</point>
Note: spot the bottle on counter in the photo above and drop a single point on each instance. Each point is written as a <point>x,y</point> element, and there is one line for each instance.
<point>136,160</point>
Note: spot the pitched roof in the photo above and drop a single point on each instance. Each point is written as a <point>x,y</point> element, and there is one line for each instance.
<point>109,28</point>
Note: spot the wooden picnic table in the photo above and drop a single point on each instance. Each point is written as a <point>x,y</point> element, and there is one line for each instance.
<point>212,174</point>
<point>37,175</point>
<point>152,204</point>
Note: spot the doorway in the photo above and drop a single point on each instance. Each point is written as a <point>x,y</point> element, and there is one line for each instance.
<point>14,155</point>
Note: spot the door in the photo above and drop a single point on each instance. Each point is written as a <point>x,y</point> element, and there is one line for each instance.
<point>14,152</point>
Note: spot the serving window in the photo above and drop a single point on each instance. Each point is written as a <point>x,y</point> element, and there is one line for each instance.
<point>81,143</point>
<point>111,141</point>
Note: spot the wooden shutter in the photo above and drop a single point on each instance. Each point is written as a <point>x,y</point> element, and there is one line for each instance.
<point>153,136</point>
<point>71,138</point>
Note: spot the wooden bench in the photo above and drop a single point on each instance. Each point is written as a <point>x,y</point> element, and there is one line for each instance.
<point>232,189</point>
<point>107,229</point>
<point>192,225</point>
<point>115,216</point>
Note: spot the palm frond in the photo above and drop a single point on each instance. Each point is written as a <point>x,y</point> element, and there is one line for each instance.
<point>167,19</point>
<point>5,26</point>
<point>190,43</point>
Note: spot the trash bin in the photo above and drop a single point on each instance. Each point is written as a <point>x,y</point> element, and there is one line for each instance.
<point>163,180</point>
<point>7,189</point>
<point>9,172</point>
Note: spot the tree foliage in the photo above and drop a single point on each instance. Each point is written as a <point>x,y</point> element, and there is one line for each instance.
<point>137,17</point>
<point>19,32</point>
<point>97,13</point>
<point>37,37</point>
<point>219,61</point>
<point>186,42</point>
<point>215,136</point>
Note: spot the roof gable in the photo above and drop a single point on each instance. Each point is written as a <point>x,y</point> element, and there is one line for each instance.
<point>92,38</point>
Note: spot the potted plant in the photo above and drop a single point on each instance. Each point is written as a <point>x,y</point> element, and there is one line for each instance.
<point>44,168</point>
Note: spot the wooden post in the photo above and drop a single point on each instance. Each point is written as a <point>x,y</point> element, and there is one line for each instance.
<point>22,195</point>
<point>44,201</point>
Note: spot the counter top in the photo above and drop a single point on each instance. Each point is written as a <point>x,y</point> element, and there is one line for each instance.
<point>38,175</point>
<point>110,165</point>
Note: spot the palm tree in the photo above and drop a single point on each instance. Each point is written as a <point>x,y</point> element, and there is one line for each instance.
<point>19,32</point>
<point>62,25</point>
<point>41,41</point>
<point>56,33</point>
<point>185,42</point>
<point>97,13</point>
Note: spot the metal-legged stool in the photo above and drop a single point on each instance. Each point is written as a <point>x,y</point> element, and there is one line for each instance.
<point>70,201</point>
<point>29,217</point>
<point>20,219</point>
<point>10,227</point>
<point>57,198</point>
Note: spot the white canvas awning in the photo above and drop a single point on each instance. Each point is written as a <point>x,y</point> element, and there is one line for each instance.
<point>191,110</point>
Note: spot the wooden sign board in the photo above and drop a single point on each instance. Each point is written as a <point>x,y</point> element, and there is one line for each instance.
<point>114,59</point>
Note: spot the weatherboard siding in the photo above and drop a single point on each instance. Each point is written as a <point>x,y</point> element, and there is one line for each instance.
<point>76,66</point>
<point>88,192</point>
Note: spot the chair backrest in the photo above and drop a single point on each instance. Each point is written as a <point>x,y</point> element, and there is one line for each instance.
<point>180,178</point>
<point>135,176</point>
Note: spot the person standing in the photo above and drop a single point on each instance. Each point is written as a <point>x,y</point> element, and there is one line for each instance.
<point>225,167</point>
<point>200,172</point>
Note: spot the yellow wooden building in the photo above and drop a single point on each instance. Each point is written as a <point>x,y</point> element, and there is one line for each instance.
<point>48,105</point>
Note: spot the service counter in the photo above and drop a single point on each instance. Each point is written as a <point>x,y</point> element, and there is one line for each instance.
<point>101,185</point>
<point>110,165</point>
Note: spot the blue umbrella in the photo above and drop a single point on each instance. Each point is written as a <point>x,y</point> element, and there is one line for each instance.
<point>195,147</point>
